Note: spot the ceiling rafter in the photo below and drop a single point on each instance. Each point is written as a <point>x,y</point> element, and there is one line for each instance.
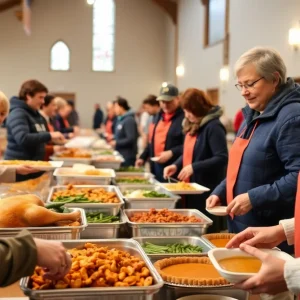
<point>5,5</point>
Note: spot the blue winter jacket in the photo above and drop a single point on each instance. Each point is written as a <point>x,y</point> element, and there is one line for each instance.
<point>271,162</point>
<point>26,132</point>
<point>126,136</point>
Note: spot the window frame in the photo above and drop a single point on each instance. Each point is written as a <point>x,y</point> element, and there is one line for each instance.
<point>50,56</point>
<point>114,42</point>
<point>206,42</point>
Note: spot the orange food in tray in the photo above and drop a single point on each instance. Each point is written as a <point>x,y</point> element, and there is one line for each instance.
<point>163,216</point>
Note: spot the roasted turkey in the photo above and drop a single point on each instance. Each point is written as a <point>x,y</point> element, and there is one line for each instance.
<point>29,211</point>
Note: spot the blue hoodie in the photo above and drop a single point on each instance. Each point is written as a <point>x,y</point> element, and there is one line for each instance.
<point>126,136</point>
<point>271,163</point>
<point>26,132</point>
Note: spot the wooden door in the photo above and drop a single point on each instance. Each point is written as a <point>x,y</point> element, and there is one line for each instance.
<point>214,95</point>
<point>66,96</point>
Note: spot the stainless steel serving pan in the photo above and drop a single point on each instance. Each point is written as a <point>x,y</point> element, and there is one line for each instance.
<point>169,229</point>
<point>109,208</point>
<point>104,230</point>
<point>162,241</point>
<point>106,293</point>
<point>147,203</point>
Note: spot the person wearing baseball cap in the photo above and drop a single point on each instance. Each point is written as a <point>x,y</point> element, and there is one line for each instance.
<point>166,144</point>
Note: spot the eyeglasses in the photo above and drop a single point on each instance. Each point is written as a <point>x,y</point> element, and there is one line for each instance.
<point>247,86</point>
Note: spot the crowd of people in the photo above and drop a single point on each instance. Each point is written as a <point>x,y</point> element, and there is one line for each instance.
<point>183,138</point>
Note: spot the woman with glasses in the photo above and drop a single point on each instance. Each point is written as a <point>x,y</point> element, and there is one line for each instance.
<point>264,161</point>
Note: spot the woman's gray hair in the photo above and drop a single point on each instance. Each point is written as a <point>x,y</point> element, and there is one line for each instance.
<point>267,61</point>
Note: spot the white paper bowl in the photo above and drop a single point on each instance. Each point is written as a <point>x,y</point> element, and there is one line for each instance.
<point>217,210</point>
<point>219,253</point>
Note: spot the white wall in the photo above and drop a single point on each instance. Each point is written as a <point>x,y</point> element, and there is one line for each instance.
<point>140,52</point>
<point>170,58</point>
<point>252,23</point>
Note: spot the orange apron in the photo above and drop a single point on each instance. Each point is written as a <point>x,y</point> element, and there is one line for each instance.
<point>188,150</point>
<point>66,123</point>
<point>234,161</point>
<point>161,132</point>
<point>297,222</point>
<point>50,127</point>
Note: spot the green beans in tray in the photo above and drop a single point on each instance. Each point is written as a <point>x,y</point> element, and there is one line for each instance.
<point>73,199</point>
<point>132,180</point>
<point>131,169</point>
<point>150,248</point>
<point>99,217</point>
<point>155,194</point>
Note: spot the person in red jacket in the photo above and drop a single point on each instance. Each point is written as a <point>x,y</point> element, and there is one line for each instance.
<point>238,120</point>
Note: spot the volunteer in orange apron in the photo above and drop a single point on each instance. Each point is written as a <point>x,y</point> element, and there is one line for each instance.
<point>61,119</point>
<point>205,154</point>
<point>264,160</point>
<point>276,276</point>
<point>110,123</point>
<point>167,138</point>
<point>48,112</point>
<point>151,106</point>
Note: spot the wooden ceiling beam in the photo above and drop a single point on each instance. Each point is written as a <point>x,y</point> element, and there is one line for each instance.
<point>9,4</point>
<point>170,7</point>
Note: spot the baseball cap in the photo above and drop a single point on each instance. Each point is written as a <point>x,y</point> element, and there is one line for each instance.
<point>167,92</point>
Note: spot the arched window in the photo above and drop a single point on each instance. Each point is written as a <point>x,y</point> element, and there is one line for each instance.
<point>104,35</point>
<point>60,57</point>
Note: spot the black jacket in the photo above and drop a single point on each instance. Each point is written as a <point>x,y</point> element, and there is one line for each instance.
<point>174,141</point>
<point>59,125</point>
<point>126,136</point>
<point>98,118</point>
<point>26,132</point>
<point>210,154</point>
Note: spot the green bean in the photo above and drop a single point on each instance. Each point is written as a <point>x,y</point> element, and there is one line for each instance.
<point>171,248</point>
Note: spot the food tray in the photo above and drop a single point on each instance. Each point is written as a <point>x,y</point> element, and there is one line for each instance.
<point>115,165</point>
<point>176,292</point>
<point>70,161</point>
<point>51,233</point>
<point>192,240</point>
<point>106,293</point>
<point>168,229</point>
<point>101,144</point>
<point>54,164</point>
<point>104,230</point>
<point>109,208</point>
<point>145,175</point>
<point>200,189</point>
<point>81,142</point>
<point>147,203</point>
<point>63,178</point>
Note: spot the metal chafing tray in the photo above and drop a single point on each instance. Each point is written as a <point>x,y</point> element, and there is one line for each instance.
<point>70,161</point>
<point>147,176</point>
<point>172,292</point>
<point>109,208</point>
<point>53,232</point>
<point>168,229</point>
<point>107,293</point>
<point>162,241</point>
<point>114,164</point>
<point>147,203</point>
<point>104,230</point>
<point>64,176</point>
